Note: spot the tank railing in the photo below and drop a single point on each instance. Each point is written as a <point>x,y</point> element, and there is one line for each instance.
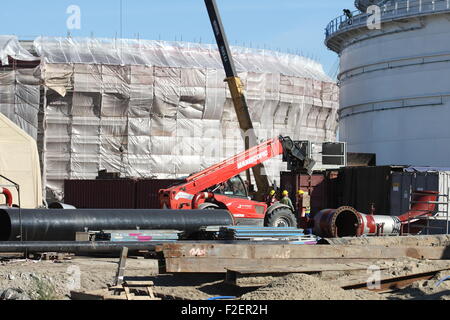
<point>399,8</point>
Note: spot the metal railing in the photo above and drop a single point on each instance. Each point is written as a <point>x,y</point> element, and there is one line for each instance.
<point>442,214</point>
<point>391,10</point>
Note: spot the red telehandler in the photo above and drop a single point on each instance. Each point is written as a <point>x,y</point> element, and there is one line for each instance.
<point>221,187</point>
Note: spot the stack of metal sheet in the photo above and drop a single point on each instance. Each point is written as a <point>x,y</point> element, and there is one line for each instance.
<point>138,235</point>
<point>266,234</point>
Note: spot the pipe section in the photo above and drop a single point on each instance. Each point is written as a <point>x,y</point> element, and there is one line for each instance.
<point>73,247</point>
<point>336,223</point>
<point>61,225</point>
<point>347,222</point>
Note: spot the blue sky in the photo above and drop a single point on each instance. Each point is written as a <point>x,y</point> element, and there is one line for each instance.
<point>295,26</point>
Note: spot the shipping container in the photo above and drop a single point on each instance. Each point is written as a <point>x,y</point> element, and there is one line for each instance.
<point>147,192</point>
<point>100,194</point>
<point>315,185</point>
<point>116,193</point>
<point>365,187</point>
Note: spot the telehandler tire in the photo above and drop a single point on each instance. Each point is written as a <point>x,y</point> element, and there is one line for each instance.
<point>281,218</point>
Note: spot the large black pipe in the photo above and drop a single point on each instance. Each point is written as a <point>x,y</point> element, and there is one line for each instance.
<point>62,225</point>
<point>73,247</point>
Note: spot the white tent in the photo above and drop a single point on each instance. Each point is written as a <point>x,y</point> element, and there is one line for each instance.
<point>19,162</point>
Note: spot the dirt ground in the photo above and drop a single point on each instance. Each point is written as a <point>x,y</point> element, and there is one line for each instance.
<point>327,285</point>
<point>47,280</point>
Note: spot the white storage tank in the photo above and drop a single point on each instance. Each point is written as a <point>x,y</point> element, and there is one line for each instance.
<point>395,81</point>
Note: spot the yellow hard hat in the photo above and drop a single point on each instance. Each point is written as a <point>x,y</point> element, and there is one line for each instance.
<point>272,192</point>
<point>285,193</point>
<point>301,192</point>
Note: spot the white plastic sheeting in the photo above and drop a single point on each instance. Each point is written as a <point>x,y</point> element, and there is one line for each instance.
<point>19,88</point>
<point>10,47</point>
<point>19,98</point>
<point>151,108</point>
<point>173,55</point>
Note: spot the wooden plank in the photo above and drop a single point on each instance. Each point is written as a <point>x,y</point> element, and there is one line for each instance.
<point>128,293</point>
<point>122,265</point>
<point>150,293</point>
<point>389,283</point>
<point>165,296</point>
<point>217,265</point>
<point>286,251</point>
<point>95,295</point>
<point>304,269</point>
<point>243,277</point>
<point>359,280</point>
<point>138,284</point>
<point>85,296</point>
<point>125,292</point>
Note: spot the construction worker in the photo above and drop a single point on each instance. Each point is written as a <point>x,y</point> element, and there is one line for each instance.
<point>271,198</point>
<point>348,13</point>
<point>303,203</point>
<point>287,201</point>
